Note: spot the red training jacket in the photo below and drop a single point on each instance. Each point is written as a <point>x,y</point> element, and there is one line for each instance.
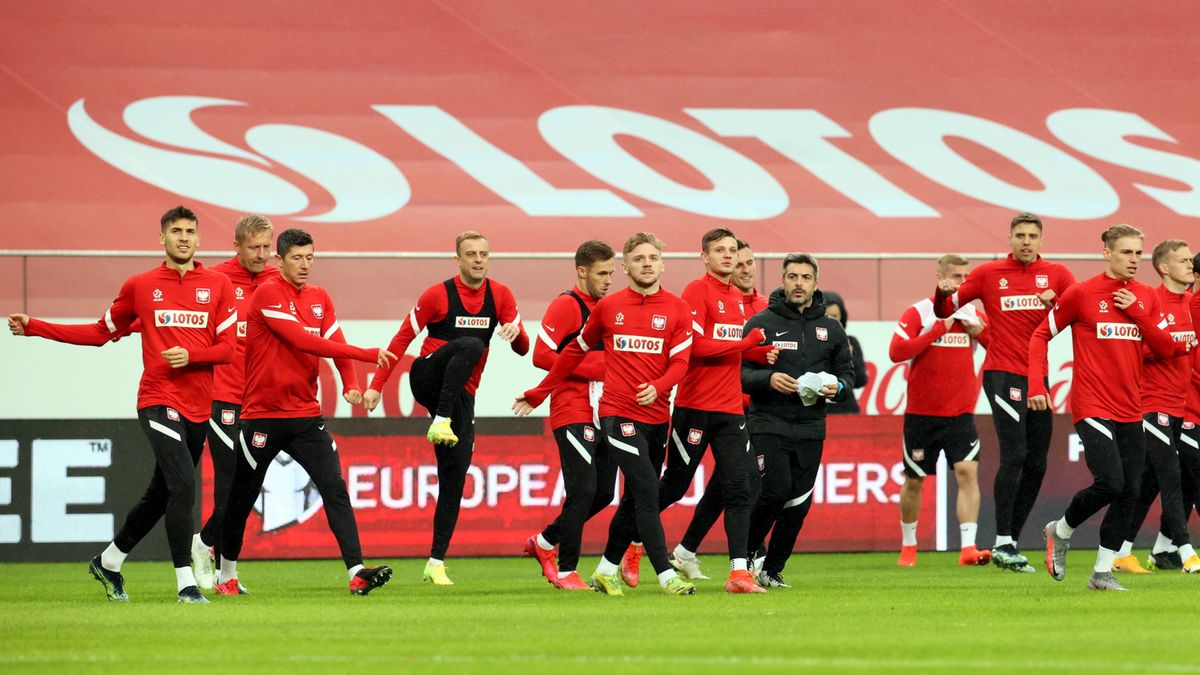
<point>1165,382</point>
<point>941,378</point>
<point>570,402</point>
<point>229,379</point>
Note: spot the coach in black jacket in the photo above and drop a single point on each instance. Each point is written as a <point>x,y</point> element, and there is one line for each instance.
<point>786,435</point>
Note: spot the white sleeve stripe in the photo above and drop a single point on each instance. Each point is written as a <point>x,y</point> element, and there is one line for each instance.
<point>517,320</point>
<point>900,332</point>
<point>1162,325</point>
<point>232,319</point>
<point>582,344</point>
<point>546,338</point>
<point>332,329</point>
<point>680,347</point>
<point>1050,319</point>
<point>955,299</point>
<point>272,314</point>
<point>698,327</point>
<point>108,322</point>
<point>412,320</point>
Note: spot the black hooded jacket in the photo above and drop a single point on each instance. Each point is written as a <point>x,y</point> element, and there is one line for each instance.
<point>809,342</point>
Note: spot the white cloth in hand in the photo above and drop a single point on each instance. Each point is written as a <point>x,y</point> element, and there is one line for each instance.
<point>811,385</point>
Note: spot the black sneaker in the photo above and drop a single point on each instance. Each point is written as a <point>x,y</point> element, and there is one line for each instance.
<point>369,578</point>
<point>772,580</point>
<point>1009,558</point>
<point>190,595</point>
<point>1167,560</point>
<point>114,583</point>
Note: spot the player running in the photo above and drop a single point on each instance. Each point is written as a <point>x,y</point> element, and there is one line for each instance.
<point>461,315</point>
<point>589,472</point>
<point>1017,292</point>
<point>787,409</point>
<point>1164,386</point>
<point>647,337</point>
<point>942,390</point>
<point>1110,316</point>
<point>187,317</point>
<point>247,270</point>
<point>291,324</point>
<point>712,502</point>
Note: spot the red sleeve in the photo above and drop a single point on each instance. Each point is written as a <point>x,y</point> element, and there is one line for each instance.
<point>985,336</point>
<point>332,330</point>
<point>508,313</point>
<point>285,327</point>
<point>945,305</point>
<point>569,359</point>
<point>119,317</point>
<point>1151,321</point>
<point>431,306</point>
<point>907,340</point>
<point>679,353</point>
<point>1065,312</point>
<point>562,318</point>
<point>695,297</point>
<point>224,314</point>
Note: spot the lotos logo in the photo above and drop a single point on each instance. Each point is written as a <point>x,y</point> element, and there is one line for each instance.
<point>179,318</point>
<point>203,295</point>
<point>1010,303</point>
<point>727,331</point>
<point>470,321</point>
<point>627,429</point>
<point>228,417</point>
<point>658,322</point>
<point>786,344</point>
<point>318,311</point>
<point>241,329</point>
<point>1118,331</point>
<point>694,436</point>
<point>1183,336</point>
<point>953,340</point>
<point>637,344</point>
<point>589,434</point>
<point>183,158</point>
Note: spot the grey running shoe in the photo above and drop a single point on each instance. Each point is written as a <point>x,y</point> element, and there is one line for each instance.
<point>1104,581</point>
<point>1056,553</point>
<point>772,580</point>
<point>114,583</point>
<point>1009,558</point>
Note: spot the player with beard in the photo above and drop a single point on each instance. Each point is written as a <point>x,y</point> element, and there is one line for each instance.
<point>589,472</point>
<point>1111,316</point>
<point>647,337</point>
<point>187,316</point>
<point>1017,292</point>
<point>461,315</point>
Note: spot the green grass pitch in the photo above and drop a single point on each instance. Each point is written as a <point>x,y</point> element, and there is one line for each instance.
<point>848,612</point>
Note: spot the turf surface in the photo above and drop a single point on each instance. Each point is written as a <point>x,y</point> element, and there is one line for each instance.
<point>849,612</point>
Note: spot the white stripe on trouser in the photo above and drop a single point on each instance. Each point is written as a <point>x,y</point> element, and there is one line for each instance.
<point>909,461</point>
<point>1098,427</point>
<point>1006,407</point>
<point>578,447</point>
<point>798,500</point>
<point>974,451</point>
<point>1189,440</point>
<point>246,451</point>
<point>165,430</point>
<point>220,433</point>
<point>679,444</point>
<point>1162,438</point>
<point>621,445</point>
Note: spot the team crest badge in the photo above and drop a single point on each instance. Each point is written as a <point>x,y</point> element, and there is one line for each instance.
<point>1042,281</point>
<point>1163,420</point>
<point>158,295</point>
<point>1014,394</point>
<point>173,414</point>
<point>822,334</point>
<point>694,436</point>
<point>203,295</point>
<point>619,319</point>
<point>318,311</point>
<point>762,464</point>
<point>658,322</point>
<point>721,306</point>
<point>918,455</point>
<point>1171,318</point>
<point>1104,306</point>
<point>227,417</point>
<point>1003,283</point>
<point>589,434</point>
<point>259,440</point>
<point>1189,425</point>
<point>239,293</point>
<point>627,429</point>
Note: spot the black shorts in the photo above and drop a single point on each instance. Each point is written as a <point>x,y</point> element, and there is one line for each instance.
<point>925,435</point>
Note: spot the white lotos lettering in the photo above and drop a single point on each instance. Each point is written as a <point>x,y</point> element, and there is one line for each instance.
<point>727,331</point>
<point>180,318</point>
<point>1183,336</point>
<point>953,340</point>
<point>1118,331</point>
<point>1021,303</point>
<point>786,344</point>
<point>638,344</point>
<point>483,322</point>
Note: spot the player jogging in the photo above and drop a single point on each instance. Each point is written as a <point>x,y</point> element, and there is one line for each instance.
<point>291,324</point>
<point>461,315</point>
<point>188,319</point>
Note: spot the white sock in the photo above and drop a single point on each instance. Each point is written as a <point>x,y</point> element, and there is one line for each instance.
<point>562,574</point>
<point>1064,531</point>
<point>228,570</point>
<point>1104,560</point>
<point>738,564</point>
<point>353,570</point>
<point>543,544</point>
<point>112,558</point>
<point>435,562</point>
<point>664,577</point>
<point>908,534</point>
<point>1186,552</point>
<point>439,418</point>
<point>184,577</point>
<point>682,553</point>
<point>1005,540</point>
<point>1161,545</point>
<point>966,534</point>
<point>604,568</point>
<point>1126,549</point>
